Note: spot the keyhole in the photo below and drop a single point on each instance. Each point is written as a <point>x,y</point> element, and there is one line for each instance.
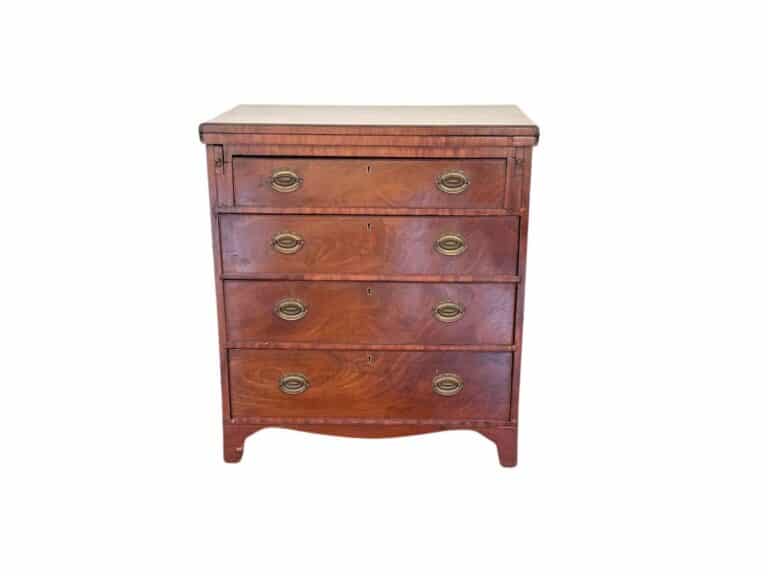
<point>370,359</point>
<point>369,291</point>
<point>369,226</point>
<point>368,169</point>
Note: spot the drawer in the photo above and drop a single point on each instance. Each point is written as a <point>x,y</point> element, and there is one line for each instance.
<point>369,312</point>
<point>388,245</point>
<point>368,183</point>
<point>354,384</point>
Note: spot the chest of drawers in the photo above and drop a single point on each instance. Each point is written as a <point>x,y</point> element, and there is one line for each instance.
<point>370,268</point>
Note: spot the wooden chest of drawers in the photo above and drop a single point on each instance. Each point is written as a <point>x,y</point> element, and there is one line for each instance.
<point>370,267</point>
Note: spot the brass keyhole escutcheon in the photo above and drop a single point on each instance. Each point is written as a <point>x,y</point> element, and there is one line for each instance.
<point>291,309</point>
<point>452,182</point>
<point>285,180</point>
<point>293,384</point>
<point>450,244</point>
<point>447,384</point>
<point>287,242</point>
<point>448,311</point>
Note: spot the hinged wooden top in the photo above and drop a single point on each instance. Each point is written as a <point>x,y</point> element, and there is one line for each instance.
<point>374,120</point>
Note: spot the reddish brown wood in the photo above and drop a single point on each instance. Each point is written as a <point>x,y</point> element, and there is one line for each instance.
<point>368,183</point>
<point>371,359</point>
<point>345,136</point>
<point>372,121</point>
<point>370,384</point>
<point>513,188</point>
<point>457,278</point>
<point>234,439</point>
<point>352,140</point>
<point>239,146</point>
<point>524,157</point>
<point>505,439</point>
<point>503,436</point>
<point>373,245</point>
<point>262,345</point>
<point>214,185</point>
<point>370,312</point>
<point>369,211</point>
<point>473,423</point>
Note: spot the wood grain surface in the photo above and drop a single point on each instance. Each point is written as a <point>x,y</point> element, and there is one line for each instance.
<point>370,385</point>
<point>368,182</point>
<point>368,212</point>
<point>370,312</point>
<point>503,434</point>
<point>369,244</point>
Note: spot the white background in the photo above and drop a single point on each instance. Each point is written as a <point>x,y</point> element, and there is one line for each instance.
<point>644,400</point>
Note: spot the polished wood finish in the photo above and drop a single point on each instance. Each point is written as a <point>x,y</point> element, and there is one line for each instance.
<point>371,120</point>
<point>505,438</point>
<point>500,433</point>
<point>379,385</point>
<point>272,345</point>
<point>346,211</point>
<point>368,211</point>
<point>368,183</point>
<point>370,312</point>
<point>368,245</point>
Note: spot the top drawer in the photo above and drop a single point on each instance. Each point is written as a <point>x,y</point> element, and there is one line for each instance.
<point>368,183</point>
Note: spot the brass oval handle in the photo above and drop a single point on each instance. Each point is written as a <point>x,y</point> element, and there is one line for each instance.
<point>293,384</point>
<point>450,244</point>
<point>286,181</point>
<point>452,182</point>
<point>287,243</point>
<point>447,384</point>
<point>448,311</point>
<point>291,309</point>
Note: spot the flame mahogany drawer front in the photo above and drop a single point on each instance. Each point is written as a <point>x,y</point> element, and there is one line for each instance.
<point>370,268</point>
<point>369,182</point>
<point>398,245</point>
<point>369,312</point>
<point>358,384</point>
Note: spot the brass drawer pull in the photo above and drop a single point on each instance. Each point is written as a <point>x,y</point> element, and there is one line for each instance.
<point>291,309</point>
<point>452,182</point>
<point>286,181</point>
<point>448,311</point>
<point>450,244</point>
<point>287,243</point>
<point>447,384</point>
<point>293,384</point>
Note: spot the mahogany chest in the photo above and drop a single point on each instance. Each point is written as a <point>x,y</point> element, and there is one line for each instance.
<point>370,268</point>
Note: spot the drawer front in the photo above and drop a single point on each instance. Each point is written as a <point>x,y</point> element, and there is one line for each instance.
<point>369,245</point>
<point>352,384</point>
<point>369,312</point>
<point>368,183</point>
